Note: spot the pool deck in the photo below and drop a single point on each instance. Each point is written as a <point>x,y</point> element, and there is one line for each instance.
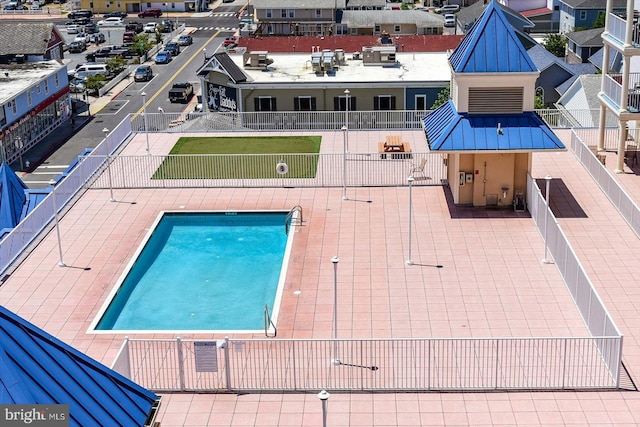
<point>491,284</point>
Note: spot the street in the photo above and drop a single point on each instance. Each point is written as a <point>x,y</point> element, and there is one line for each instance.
<point>182,68</point>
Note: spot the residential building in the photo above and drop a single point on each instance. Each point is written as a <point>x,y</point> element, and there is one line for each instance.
<point>581,14</point>
<point>367,22</point>
<point>545,14</point>
<point>30,41</point>
<point>134,6</point>
<point>292,17</point>
<point>581,45</point>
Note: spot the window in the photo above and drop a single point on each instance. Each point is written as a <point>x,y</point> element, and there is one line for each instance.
<point>119,4</point>
<point>396,28</point>
<point>269,13</point>
<point>384,102</point>
<point>318,13</point>
<point>341,30</point>
<point>12,104</point>
<point>38,88</point>
<point>421,102</point>
<point>340,103</point>
<point>292,13</point>
<point>283,13</point>
<point>376,29</point>
<point>148,5</point>
<point>583,15</point>
<point>57,79</point>
<point>265,103</point>
<point>304,103</point>
<point>46,86</point>
<point>29,100</point>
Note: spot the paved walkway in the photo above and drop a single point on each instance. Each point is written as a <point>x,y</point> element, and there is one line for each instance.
<point>491,284</point>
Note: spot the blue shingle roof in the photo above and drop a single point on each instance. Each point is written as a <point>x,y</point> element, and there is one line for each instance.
<point>447,130</point>
<point>12,197</point>
<point>37,368</point>
<point>491,46</point>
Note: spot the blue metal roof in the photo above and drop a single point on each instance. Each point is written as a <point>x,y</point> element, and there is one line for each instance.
<point>448,130</point>
<point>37,368</point>
<point>491,46</point>
<point>12,197</point>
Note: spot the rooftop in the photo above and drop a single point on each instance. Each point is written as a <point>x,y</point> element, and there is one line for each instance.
<point>16,78</point>
<point>418,68</point>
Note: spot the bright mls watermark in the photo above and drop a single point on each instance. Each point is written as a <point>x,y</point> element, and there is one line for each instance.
<point>34,415</point>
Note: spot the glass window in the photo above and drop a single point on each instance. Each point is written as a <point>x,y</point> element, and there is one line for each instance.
<point>29,100</point>
<point>283,13</point>
<point>384,102</point>
<point>421,102</point>
<point>57,79</point>
<point>269,13</point>
<point>265,103</point>
<point>340,103</point>
<point>318,13</point>
<point>46,86</point>
<point>376,29</point>
<point>396,28</point>
<point>304,103</point>
<point>583,15</point>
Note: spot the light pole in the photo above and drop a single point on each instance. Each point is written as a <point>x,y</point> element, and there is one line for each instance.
<point>324,398</point>
<point>344,163</point>
<point>55,216</point>
<point>346,118</point>
<point>106,143</point>
<point>19,145</point>
<point>545,260</point>
<point>335,260</point>
<point>410,179</point>
<point>146,124</point>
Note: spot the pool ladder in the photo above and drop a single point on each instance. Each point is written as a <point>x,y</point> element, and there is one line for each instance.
<point>268,323</point>
<point>289,218</point>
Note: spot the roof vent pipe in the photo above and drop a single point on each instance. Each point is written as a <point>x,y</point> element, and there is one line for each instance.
<point>499,130</point>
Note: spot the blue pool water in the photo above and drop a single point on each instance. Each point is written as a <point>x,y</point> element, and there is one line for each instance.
<point>202,271</point>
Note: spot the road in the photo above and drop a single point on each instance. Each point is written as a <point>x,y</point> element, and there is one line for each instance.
<point>207,32</point>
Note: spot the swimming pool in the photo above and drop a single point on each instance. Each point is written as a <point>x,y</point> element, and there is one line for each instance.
<point>202,271</point>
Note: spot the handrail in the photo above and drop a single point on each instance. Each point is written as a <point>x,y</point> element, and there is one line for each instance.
<point>268,322</point>
<point>289,217</point>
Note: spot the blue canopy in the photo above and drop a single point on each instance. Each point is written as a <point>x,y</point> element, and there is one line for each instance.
<point>37,368</point>
<point>12,197</point>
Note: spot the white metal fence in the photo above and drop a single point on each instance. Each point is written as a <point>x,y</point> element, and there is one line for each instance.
<point>304,170</point>
<point>367,364</point>
<point>328,120</point>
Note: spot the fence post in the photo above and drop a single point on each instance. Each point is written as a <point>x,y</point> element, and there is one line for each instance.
<point>226,363</point>
<point>564,363</point>
<point>497,362</point>
<point>619,361</point>
<point>180,364</point>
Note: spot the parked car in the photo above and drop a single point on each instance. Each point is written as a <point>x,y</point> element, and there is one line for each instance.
<point>150,27</point>
<point>83,37</point>
<point>76,86</point>
<point>91,28</point>
<point>115,15</point>
<point>163,57</point>
<point>11,6</point>
<point>97,38</point>
<point>230,42</point>
<point>143,73</point>
<point>449,20</point>
<point>128,36</point>
<point>185,40</point>
<point>181,92</point>
<point>73,29</point>
<point>166,26</point>
<point>134,26</point>
<point>77,46</point>
<point>174,48</point>
<point>111,22</point>
<point>152,12</point>
<point>449,8</point>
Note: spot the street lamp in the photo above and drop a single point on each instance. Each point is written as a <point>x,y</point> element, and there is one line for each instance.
<point>335,260</point>
<point>19,145</point>
<point>55,216</point>
<point>146,124</point>
<point>106,143</point>
<point>324,398</point>
<point>410,179</point>
<point>344,163</point>
<point>545,260</point>
<point>346,117</point>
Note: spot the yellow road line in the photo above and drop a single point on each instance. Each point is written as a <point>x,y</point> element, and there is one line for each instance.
<point>178,71</point>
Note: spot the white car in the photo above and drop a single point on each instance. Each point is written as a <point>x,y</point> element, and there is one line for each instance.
<point>150,27</point>
<point>73,29</point>
<point>112,21</point>
<point>82,37</point>
<point>449,20</point>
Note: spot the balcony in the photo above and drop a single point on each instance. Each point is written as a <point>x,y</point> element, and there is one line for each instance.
<point>618,29</point>
<point>613,91</point>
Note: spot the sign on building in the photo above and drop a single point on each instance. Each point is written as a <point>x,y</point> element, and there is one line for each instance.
<point>221,98</point>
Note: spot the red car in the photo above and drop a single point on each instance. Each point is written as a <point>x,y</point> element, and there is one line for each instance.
<point>230,42</point>
<point>152,12</point>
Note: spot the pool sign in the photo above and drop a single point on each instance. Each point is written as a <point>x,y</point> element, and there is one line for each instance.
<point>206,355</point>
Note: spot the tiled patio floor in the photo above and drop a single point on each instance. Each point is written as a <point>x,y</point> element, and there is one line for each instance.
<point>491,284</point>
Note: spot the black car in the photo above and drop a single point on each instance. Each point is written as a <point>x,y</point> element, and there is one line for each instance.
<point>134,26</point>
<point>115,15</point>
<point>76,14</point>
<point>173,47</point>
<point>185,40</point>
<point>143,73</point>
<point>91,28</point>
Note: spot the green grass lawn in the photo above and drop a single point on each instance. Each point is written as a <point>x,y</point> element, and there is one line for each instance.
<point>240,157</point>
